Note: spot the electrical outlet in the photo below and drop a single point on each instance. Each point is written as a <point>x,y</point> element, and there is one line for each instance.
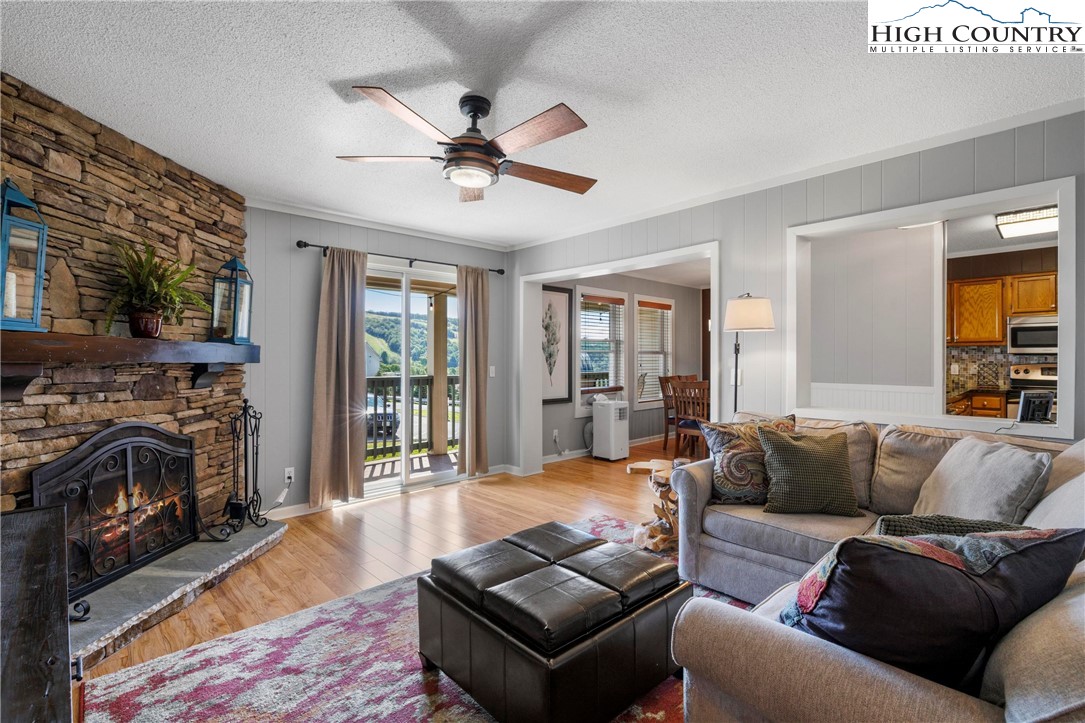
<point>493,371</point>
<point>973,368</point>
<point>288,476</point>
<point>954,369</point>
<point>555,435</point>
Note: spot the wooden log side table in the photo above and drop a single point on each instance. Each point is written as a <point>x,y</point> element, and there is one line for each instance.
<point>662,532</point>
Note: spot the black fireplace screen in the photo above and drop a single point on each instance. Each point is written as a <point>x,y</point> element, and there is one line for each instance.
<point>129,493</point>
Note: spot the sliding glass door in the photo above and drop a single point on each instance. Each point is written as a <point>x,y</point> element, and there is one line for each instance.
<point>413,383</point>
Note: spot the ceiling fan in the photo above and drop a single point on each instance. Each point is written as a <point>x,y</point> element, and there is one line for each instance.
<point>473,162</point>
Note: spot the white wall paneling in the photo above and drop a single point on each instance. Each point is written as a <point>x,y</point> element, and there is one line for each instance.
<point>914,401</point>
<point>848,366</point>
<point>750,233</point>
<point>286,296</point>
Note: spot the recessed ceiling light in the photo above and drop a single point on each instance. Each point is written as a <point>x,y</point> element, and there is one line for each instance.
<point>1028,222</point>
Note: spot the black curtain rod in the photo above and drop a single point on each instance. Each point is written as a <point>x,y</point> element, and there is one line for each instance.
<point>409,259</point>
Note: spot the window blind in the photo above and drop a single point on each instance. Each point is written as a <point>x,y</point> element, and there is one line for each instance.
<point>655,342</point>
<point>602,341</point>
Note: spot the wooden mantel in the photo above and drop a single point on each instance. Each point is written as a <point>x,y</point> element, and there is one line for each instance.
<point>24,354</point>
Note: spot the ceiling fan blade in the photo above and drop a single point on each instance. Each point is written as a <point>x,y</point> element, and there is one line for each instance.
<point>470,194</point>
<point>389,159</point>
<point>393,105</point>
<point>557,179</point>
<point>548,125</point>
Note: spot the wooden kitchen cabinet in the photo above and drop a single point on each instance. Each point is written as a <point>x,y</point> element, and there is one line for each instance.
<point>988,405</point>
<point>960,408</point>
<point>976,310</point>
<point>1033,294</point>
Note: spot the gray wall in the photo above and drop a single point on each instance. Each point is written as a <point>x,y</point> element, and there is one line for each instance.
<point>751,231</point>
<point>286,291</point>
<point>687,358</point>
<point>871,312</point>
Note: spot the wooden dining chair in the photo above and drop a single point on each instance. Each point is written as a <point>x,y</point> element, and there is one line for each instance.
<point>690,407</point>
<point>668,403</point>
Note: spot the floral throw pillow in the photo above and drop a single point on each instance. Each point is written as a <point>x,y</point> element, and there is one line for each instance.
<point>738,460</point>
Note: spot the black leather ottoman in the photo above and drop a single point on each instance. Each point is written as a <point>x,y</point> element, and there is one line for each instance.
<point>551,623</point>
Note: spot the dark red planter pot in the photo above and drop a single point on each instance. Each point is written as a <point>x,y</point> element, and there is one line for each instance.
<point>144,324</point>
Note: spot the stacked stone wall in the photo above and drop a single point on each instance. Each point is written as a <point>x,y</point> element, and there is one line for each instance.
<point>96,187</point>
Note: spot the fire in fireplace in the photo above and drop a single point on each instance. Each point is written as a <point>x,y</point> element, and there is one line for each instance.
<point>129,492</point>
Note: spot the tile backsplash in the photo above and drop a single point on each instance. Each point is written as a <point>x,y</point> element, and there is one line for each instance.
<point>984,367</point>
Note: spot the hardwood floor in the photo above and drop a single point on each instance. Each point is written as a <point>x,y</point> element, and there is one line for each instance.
<point>342,551</point>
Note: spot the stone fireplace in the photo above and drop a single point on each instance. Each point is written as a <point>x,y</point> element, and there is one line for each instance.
<point>132,436</point>
<point>95,187</point>
<point>128,492</point>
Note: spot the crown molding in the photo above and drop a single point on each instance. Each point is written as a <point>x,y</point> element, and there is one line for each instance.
<point>336,217</point>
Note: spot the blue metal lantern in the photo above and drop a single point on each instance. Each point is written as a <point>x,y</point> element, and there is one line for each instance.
<point>22,270</point>
<point>231,305</point>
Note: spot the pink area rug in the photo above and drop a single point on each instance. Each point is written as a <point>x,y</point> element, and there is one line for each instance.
<point>352,659</point>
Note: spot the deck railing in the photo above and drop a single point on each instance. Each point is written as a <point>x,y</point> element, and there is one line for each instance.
<point>395,415</point>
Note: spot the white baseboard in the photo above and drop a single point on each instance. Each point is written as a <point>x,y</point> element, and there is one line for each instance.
<point>570,454</point>
<point>282,513</point>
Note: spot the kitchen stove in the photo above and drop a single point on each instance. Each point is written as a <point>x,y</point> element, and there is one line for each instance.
<point>1032,378</point>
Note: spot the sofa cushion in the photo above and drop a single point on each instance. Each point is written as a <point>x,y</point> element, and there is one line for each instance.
<point>738,461</point>
<point>808,473</point>
<point>771,607</point>
<point>907,455</point>
<point>805,537</point>
<point>986,481</point>
<point>1037,672</point>
<point>862,442</point>
<point>960,595</point>
<point>1065,507</point>
<point>1067,465</point>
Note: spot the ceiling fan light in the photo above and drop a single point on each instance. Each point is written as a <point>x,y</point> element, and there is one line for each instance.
<point>470,177</point>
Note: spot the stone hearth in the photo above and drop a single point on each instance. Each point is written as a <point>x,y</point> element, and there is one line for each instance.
<point>126,608</point>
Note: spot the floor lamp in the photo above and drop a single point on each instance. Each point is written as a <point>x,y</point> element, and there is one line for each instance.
<point>747,313</point>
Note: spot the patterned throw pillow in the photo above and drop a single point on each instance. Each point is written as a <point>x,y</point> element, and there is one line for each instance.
<point>911,525</point>
<point>808,473</point>
<point>931,604</point>
<point>738,461</point>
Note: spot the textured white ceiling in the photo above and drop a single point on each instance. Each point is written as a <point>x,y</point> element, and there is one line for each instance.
<point>681,100</point>
<point>696,274</point>
<point>978,234</point>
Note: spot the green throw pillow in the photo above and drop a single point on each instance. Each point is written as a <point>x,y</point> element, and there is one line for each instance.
<point>913,525</point>
<point>808,473</point>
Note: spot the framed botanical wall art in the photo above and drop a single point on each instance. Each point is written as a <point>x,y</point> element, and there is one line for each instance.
<point>557,345</point>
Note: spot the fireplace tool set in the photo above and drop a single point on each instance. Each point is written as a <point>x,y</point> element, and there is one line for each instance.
<point>245,498</point>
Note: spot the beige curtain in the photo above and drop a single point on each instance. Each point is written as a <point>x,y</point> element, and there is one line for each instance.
<point>473,292</point>
<point>339,401</point>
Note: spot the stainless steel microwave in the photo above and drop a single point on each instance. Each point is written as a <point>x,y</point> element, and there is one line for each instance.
<point>1032,335</point>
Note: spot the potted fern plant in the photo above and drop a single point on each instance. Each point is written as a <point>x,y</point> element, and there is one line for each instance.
<point>150,291</point>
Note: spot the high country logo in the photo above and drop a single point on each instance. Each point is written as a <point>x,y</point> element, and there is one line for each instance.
<point>975,26</point>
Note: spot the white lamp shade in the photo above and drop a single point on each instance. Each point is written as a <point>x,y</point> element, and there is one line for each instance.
<point>748,313</point>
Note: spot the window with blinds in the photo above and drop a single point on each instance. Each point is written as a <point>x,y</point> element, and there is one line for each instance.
<point>602,342</point>
<point>654,337</point>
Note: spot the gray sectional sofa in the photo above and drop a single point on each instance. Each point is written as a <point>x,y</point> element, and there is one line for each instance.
<point>743,666</point>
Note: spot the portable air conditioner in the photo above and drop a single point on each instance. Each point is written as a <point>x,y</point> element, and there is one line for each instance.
<point>610,421</point>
